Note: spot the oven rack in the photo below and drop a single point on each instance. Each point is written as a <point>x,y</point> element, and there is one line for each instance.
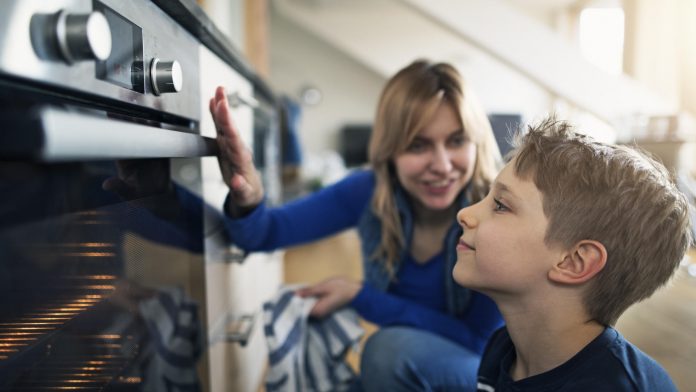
<point>85,352</point>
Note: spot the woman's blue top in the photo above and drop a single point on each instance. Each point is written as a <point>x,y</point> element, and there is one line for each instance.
<point>421,295</point>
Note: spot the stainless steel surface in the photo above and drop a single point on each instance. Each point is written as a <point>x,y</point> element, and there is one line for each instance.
<point>166,76</point>
<point>73,136</point>
<point>234,254</point>
<point>29,50</point>
<point>239,328</point>
<point>101,105</point>
<point>237,99</point>
<point>83,36</point>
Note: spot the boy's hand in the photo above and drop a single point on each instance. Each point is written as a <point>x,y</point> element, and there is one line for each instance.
<point>235,159</point>
<point>331,294</point>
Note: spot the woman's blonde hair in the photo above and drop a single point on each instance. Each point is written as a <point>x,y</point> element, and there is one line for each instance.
<point>407,104</point>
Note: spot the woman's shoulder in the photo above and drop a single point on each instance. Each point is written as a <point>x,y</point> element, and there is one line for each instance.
<point>359,180</point>
<point>354,190</point>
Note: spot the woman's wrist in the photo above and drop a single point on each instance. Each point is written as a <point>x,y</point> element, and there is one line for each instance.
<point>355,288</point>
<point>234,210</point>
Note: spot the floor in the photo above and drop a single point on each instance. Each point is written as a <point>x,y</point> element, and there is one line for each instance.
<point>663,326</point>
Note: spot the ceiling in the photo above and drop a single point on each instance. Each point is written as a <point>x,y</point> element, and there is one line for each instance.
<point>451,29</point>
<point>546,4</point>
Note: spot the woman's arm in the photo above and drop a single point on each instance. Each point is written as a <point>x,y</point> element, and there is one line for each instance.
<point>320,214</point>
<point>472,331</point>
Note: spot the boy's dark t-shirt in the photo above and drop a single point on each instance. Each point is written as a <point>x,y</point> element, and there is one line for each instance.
<point>608,363</point>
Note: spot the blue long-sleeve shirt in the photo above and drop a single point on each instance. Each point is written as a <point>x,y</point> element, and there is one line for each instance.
<point>416,297</point>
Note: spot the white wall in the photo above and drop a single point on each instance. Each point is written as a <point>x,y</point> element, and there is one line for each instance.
<point>228,16</point>
<point>662,48</point>
<point>350,90</point>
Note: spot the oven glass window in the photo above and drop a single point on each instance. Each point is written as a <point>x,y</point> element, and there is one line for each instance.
<point>98,275</point>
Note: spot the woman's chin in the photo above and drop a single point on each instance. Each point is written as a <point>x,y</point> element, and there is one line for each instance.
<point>438,203</point>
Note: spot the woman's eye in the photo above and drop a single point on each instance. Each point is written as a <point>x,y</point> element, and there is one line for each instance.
<point>458,140</point>
<point>499,207</point>
<point>416,146</point>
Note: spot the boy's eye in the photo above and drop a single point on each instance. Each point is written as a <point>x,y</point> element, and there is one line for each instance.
<point>499,207</point>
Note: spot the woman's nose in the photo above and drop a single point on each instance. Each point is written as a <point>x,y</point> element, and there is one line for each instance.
<point>466,219</point>
<point>441,160</point>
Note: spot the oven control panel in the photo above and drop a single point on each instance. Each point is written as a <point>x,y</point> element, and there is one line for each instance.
<point>128,51</point>
<point>124,65</point>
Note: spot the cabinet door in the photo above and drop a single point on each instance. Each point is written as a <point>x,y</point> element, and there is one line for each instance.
<point>236,286</point>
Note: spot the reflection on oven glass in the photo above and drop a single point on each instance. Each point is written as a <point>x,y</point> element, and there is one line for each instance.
<point>95,274</point>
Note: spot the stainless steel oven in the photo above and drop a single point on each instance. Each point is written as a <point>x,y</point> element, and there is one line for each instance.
<point>101,220</point>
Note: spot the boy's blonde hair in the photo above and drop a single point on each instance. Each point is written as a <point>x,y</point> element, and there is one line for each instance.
<point>407,104</point>
<point>616,195</point>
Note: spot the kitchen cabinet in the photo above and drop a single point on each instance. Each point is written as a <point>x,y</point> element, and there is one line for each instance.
<point>236,284</point>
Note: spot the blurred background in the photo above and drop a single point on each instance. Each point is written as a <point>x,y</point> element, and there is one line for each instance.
<point>622,70</point>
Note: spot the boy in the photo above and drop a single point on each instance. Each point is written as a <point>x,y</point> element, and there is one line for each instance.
<point>572,233</point>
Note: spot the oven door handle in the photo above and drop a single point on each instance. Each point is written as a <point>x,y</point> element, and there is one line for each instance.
<point>53,135</point>
<point>237,99</point>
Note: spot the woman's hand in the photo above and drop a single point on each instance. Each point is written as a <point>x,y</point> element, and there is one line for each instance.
<point>235,159</point>
<point>331,294</point>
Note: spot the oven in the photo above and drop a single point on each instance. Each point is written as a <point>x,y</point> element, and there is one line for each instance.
<point>102,230</point>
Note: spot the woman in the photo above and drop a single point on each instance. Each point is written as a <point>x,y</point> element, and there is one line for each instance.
<point>432,152</point>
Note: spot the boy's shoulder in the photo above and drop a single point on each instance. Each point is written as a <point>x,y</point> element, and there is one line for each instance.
<point>609,362</point>
<point>643,371</point>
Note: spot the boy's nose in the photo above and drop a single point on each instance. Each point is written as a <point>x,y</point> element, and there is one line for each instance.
<point>466,219</point>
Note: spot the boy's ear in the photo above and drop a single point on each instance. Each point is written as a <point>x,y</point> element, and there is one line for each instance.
<point>580,263</point>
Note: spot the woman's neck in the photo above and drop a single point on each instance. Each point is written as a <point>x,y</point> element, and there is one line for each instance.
<point>429,231</point>
<point>426,217</point>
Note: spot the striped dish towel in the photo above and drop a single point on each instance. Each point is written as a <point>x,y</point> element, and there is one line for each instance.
<point>307,354</point>
<point>176,340</point>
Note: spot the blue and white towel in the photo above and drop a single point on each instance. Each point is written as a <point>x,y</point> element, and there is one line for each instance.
<point>307,354</point>
<point>176,341</point>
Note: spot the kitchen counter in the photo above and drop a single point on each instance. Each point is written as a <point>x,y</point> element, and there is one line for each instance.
<point>192,17</point>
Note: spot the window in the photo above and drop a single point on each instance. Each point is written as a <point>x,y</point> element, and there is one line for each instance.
<point>601,36</point>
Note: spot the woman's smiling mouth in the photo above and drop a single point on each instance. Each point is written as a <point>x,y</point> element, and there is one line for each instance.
<point>438,188</point>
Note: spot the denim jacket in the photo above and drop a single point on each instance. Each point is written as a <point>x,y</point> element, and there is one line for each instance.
<point>376,274</point>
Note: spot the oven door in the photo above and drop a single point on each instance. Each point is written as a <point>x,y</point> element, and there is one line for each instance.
<point>101,264</point>
<point>101,271</point>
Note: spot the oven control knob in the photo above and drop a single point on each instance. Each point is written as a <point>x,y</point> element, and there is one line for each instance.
<point>166,76</point>
<point>83,36</point>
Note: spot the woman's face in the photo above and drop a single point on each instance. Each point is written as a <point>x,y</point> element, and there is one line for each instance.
<point>438,163</point>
